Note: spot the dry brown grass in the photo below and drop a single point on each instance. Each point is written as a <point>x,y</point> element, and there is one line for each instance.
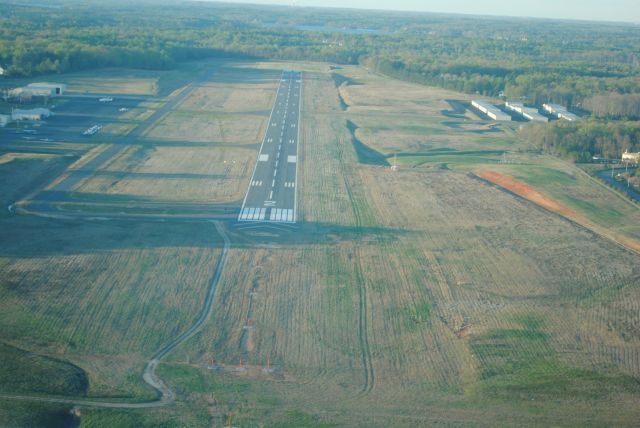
<point>417,297</point>
<point>230,98</point>
<point>451,270</point>
<point>9,157</point>
<point>397,97</point>
<point>213,128</point>
<point>193,174</point>
<point>131,85</point>
<point>418,134</point>
<point>312,67</point>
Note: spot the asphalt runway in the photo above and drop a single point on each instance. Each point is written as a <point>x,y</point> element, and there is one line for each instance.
<point>272,195</point>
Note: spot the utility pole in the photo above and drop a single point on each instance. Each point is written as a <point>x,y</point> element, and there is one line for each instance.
<point>626,172</point>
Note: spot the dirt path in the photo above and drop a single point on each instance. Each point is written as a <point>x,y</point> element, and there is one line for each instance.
<point>165,394</point>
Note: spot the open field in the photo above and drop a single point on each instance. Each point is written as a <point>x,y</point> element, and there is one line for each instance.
<point>209,128</point>
<point>453,301</point>
<point>201,150</point>
<point>230,98</point>
<point>583,194</point>
<point>416,297</point>
<point>195,174</point>
<point>79,292</point>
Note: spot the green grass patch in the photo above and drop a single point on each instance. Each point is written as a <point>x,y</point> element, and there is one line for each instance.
<point>603,213</point>
<point>24,372</point>
<point>366,155</point>
<point>446,159</point>
<point>408,129</point>
<point>542,177</point>
<point>529,321</point>
<point>106,418</point>
<point>410,317</point>
<point>29,414</point>
<point>185,378</point>
<point>521,364</point>
<point>600,296</point>
<point>299,419</point>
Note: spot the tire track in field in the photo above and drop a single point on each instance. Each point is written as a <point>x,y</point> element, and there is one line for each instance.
<point>369,373</point>
<point>363,335</point>
<point>165,394</point>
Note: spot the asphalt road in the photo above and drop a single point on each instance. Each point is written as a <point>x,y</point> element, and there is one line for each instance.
<point>272,195</point>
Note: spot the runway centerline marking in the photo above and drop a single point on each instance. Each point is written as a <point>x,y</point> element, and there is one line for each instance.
<point>277,203</point>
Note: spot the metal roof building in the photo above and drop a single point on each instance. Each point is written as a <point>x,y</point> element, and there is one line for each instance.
<point>33,114</point>
<point>51,88</point>
<point>490,110</point>
<point>41,89</point>
<point>560,112</point>
<point>529,113</point>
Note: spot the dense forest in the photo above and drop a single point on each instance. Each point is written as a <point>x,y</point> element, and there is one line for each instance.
<point>593,68</point>
<point>536,60</point>
<point>580,141</point>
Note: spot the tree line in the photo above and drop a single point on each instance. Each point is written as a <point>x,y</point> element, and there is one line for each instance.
<point>581,141</point>
<point>580,65</point>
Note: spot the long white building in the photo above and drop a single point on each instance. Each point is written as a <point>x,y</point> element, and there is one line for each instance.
<point>529,113</point>
<point>490,110</point>
<point>560,112</point>
<point>41,89</point>
<point>4,120</point>
<point>33,114</point>
<point>631,157</point>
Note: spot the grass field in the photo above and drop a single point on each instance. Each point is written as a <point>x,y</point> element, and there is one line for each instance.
<point>229,98</point>
<point>584,194</point>
<point>202,151</point>
<point>453,301</point>
<point>416,297</point>
<point>174,173</point>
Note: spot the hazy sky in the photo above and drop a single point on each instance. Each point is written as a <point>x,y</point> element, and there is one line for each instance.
<point>601,10</point>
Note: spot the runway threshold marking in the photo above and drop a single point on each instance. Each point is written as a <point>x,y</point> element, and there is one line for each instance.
<point>277,206</point>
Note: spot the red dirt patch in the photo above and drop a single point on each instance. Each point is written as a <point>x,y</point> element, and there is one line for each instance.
<point>527,192</point>
<point>524,190</point>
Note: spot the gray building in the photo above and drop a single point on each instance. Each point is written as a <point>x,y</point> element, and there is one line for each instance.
<point>528,113</point>
<point>560,112</point>
<point>490,110</point>
<point>41,89</point>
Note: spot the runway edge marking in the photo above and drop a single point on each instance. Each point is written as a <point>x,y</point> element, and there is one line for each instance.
<point>266,133</point>
<point>295,195</point>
